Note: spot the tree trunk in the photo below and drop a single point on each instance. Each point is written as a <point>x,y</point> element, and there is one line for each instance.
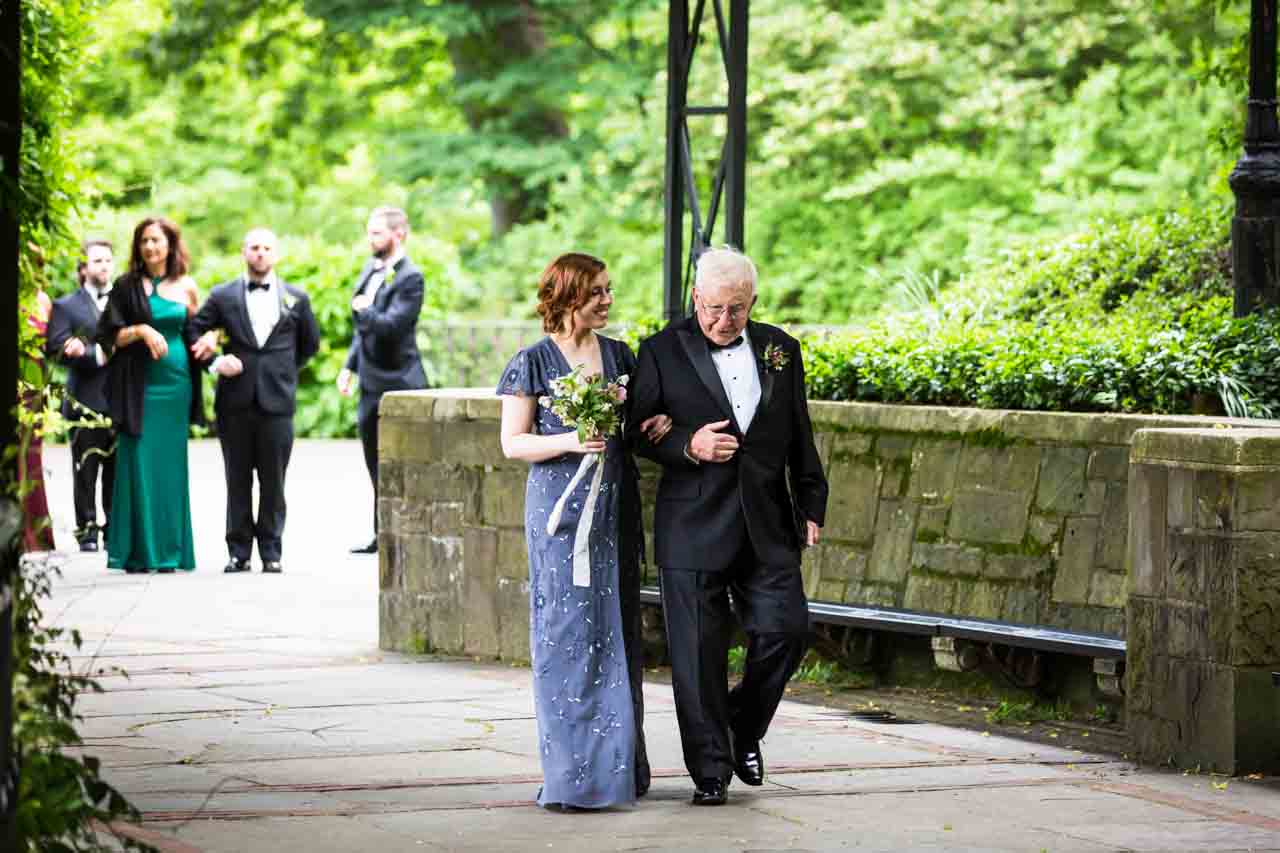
<point>506,34</point>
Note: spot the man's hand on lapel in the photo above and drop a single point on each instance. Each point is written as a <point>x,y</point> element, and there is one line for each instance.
<point>361,302</point>
<point>710,445</point>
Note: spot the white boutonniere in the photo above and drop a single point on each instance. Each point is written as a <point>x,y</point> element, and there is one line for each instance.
<point>287,299</point>
<point>774,357</point>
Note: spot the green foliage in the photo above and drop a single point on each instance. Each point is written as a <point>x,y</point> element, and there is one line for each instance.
<point>1028,712</point>
<point>896,149</point>
<point>1129,316</point>
<point>63,802</point>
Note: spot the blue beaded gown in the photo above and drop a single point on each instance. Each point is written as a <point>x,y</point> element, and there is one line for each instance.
<point>584,641</point>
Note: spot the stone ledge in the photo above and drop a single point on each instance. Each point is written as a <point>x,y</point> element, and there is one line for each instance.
<point>1257,446</point>
<point>442,404</point>
<point>1009,425</point>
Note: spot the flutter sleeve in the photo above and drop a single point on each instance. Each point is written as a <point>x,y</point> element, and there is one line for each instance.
<point>524,376</point>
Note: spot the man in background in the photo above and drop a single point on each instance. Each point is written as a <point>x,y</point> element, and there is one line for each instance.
<point>271,333</point>
<point>72,324</point>
<point>384,347</point>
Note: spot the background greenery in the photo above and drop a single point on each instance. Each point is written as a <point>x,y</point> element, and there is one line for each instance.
<point>897,148</point>
<point>63,803</point>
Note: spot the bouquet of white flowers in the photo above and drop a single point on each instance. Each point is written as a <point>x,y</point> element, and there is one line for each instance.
<point>593,406</point>
<point>590,403</point>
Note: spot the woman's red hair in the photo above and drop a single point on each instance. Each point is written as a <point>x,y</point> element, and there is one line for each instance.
<point>565,286</point>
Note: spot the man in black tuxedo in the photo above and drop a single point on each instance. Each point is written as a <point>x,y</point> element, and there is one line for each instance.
<point>384,345</point>
<point>726,522</point>
<point>70,341</point>
<point>271,332</point>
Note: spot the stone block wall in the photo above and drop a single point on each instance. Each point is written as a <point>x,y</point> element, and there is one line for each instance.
<point>1018,516</point>
<point>1015,516</point>
<point>1204,612</point>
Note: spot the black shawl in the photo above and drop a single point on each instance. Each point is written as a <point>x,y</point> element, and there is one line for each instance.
<point>128,305</point>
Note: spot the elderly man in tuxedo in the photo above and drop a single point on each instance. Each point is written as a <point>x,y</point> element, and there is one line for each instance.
<point>384,346</point>
<point>271,332</point>
<point>70,342</point>
<point>726,522</point>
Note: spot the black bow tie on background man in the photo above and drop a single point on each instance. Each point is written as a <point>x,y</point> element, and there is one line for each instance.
<point>733,343</point>
<point>259,285</point>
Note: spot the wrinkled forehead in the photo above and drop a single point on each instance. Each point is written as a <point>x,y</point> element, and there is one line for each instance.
<point>725,291</point>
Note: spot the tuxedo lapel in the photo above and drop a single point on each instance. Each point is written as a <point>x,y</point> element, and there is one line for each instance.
<point>390,278</point>
<point>695,346</point>
<point>760,340</point>
<point>280,313</point>
<point>239,294</point>
<point>90,305</point>
<point>365,274</point>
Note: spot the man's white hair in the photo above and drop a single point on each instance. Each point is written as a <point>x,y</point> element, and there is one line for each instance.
<point>724,265</point>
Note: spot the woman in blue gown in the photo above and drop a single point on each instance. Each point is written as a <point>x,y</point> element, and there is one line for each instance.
<point>584,640</point>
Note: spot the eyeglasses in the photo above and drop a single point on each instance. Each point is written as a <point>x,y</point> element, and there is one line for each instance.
<point>715,312</point>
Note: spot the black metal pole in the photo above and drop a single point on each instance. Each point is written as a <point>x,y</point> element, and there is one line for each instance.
<point>1255,228</point>
<point>10,145</point>
<point>735,184</point>
<point>673,205</point>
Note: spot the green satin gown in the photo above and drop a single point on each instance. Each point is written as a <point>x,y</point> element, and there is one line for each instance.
<point>150,526</point>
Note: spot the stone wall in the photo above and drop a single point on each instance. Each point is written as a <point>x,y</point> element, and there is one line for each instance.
<point>1204,613</point>
<point>1018,516</point>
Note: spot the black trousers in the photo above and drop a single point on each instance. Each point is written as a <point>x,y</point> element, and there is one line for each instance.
<point>770,605</point>
<point>92,453</point>
<point>367,424</point>
<point>255,442</point>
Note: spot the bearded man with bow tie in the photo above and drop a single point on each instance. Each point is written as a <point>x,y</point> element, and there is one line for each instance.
<point>271,332</point>
<point>70,342</point>
<point>742,491</point>
<point>384,345</point>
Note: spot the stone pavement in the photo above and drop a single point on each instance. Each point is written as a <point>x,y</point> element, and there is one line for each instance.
<point>259,715</point>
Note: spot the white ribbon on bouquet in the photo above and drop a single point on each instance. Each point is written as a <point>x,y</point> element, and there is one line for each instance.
<point>582,536</point>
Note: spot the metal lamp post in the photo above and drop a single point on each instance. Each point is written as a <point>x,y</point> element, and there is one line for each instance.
<point>684,24</point>
<point>1255,228</point>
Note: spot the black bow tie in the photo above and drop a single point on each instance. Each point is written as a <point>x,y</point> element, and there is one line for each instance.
<point>259,285</point>
<point>733,343</point>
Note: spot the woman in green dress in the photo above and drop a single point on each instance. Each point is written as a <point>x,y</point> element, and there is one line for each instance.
<point>153,395</point>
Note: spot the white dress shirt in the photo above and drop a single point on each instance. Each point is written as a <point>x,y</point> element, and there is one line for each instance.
<point>264,307</point>
<point>741,381</point>
<point>380,270</point>
<point>99,296</point>
<point>264,312</point>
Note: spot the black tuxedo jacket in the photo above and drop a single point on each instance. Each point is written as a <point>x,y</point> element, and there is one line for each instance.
<point>270,375</point>
<point>384,346</point>
<point>703,510</point>
<point>76,316</point>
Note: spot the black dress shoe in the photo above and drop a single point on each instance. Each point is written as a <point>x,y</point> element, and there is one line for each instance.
<point>167,570</point>
<point>234,565</point>
<point>710,792</point>
<point>272,567</point>
<point>89,546</point>
<point>371,548</point>
<point>748,763</point>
